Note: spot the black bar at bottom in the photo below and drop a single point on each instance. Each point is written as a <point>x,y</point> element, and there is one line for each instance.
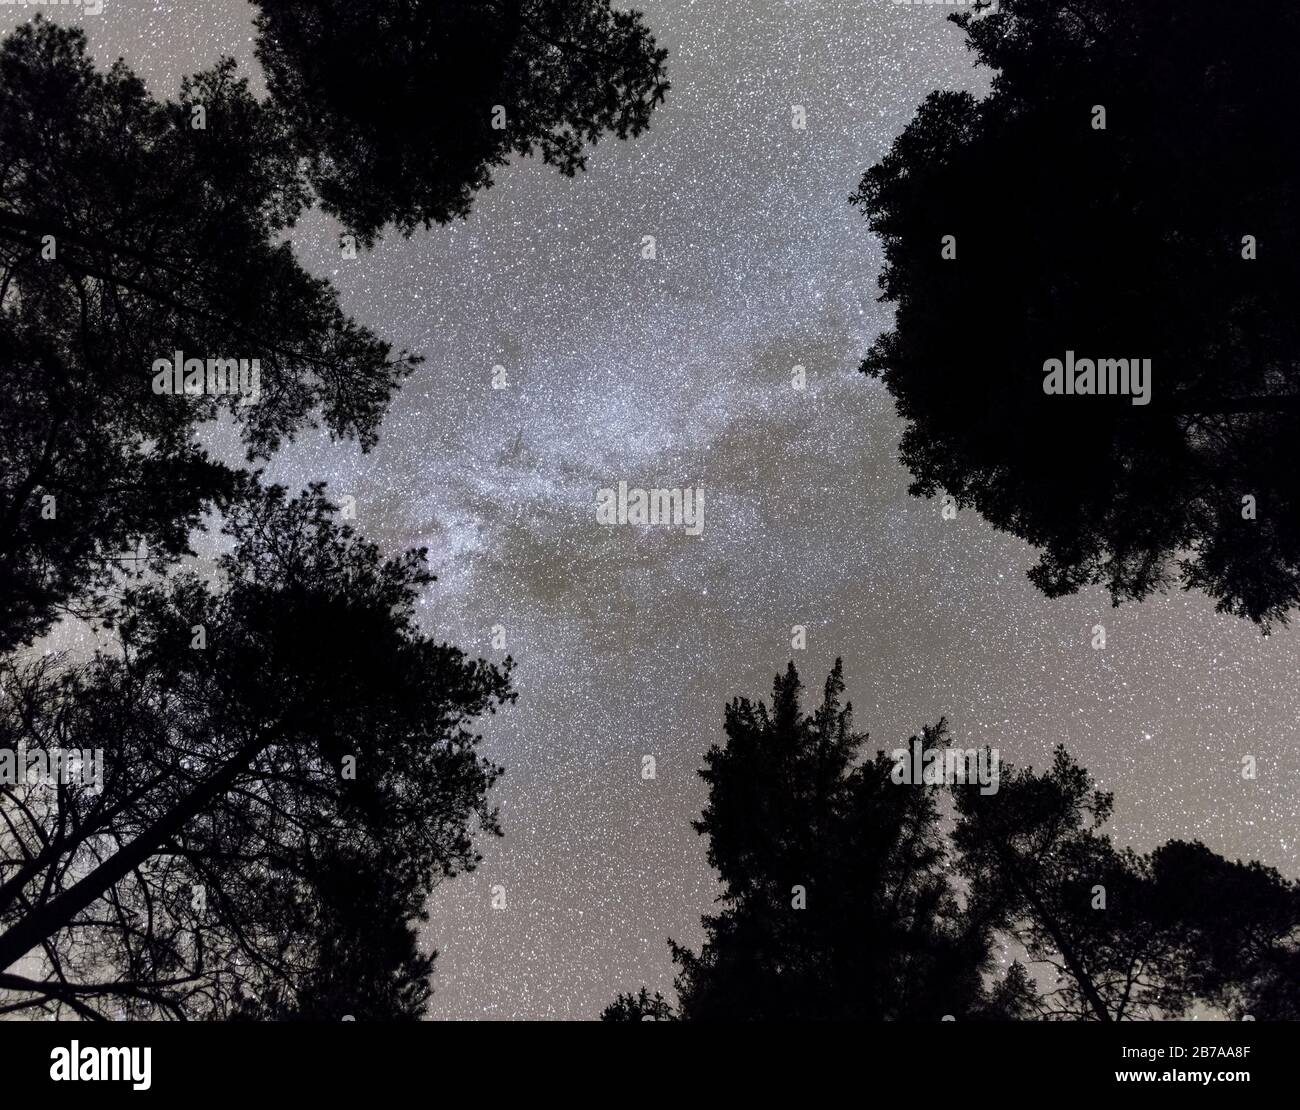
<point>1222,1060</point>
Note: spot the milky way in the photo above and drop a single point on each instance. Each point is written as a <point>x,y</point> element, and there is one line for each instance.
<point>674,372</point>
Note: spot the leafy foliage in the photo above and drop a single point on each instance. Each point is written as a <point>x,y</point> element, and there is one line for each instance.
<point>1126,242</point>
<point>316,751</point>
<point>1123,935</point>
<point>881,935</point>
<point>394,103</point>
<point>164,237</point>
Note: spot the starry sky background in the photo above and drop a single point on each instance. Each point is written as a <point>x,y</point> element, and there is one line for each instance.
<point>676,372</point>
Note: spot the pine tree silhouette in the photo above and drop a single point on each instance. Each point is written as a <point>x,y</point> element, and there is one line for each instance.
<point>127,234</point>
<point>1123,935</point>
<point>404,108</point>
<point>836,902</point>
<point>844,898</point>
<point>304,777</point>
<point>1129,191</point>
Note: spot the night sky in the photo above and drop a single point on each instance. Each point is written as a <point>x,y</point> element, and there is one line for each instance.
<point>676,372</point>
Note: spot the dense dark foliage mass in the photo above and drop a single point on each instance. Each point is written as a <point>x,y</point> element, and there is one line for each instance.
<point>273,749</point>
<point>1128,190</point>
<point>128,234</point>
<point>843,897</point>
<point>404,108</point>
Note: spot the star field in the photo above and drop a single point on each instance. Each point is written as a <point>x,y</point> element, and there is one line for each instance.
<point>676,372</point>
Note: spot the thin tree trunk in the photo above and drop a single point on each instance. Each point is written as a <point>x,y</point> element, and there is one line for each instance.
<point>43,922</point>
<point>1072,960</point>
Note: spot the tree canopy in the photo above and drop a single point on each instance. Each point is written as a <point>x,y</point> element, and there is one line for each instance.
<point>127,234</point>
<point>836,902</point>
<point>1122,935</point>
<point>132,229</point>
<point>1127,190</point>
<point>850,892</point>
<point>404,108</point>
<point>271,749</point>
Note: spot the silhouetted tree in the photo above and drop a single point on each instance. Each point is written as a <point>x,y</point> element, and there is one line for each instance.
<point>1125,935</point>
<point>133,230</point>
<point>272,749</point>
<point>1163,229</point>
<point>1242,927</point>
<point>1013,997</point>
<point>1037,863</point>
<point>641,1006</point>
<point>836,899</point>
<point>843,899</point>
<point>403,108</point>
<point>367,962</point>
<point>128,233</point>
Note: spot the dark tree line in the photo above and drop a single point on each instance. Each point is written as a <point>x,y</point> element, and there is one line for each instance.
<point>1128,190</point>
<point>844,898</point>
<point>290,764</point>
<point>403,110</point>
<point>316,747</point>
